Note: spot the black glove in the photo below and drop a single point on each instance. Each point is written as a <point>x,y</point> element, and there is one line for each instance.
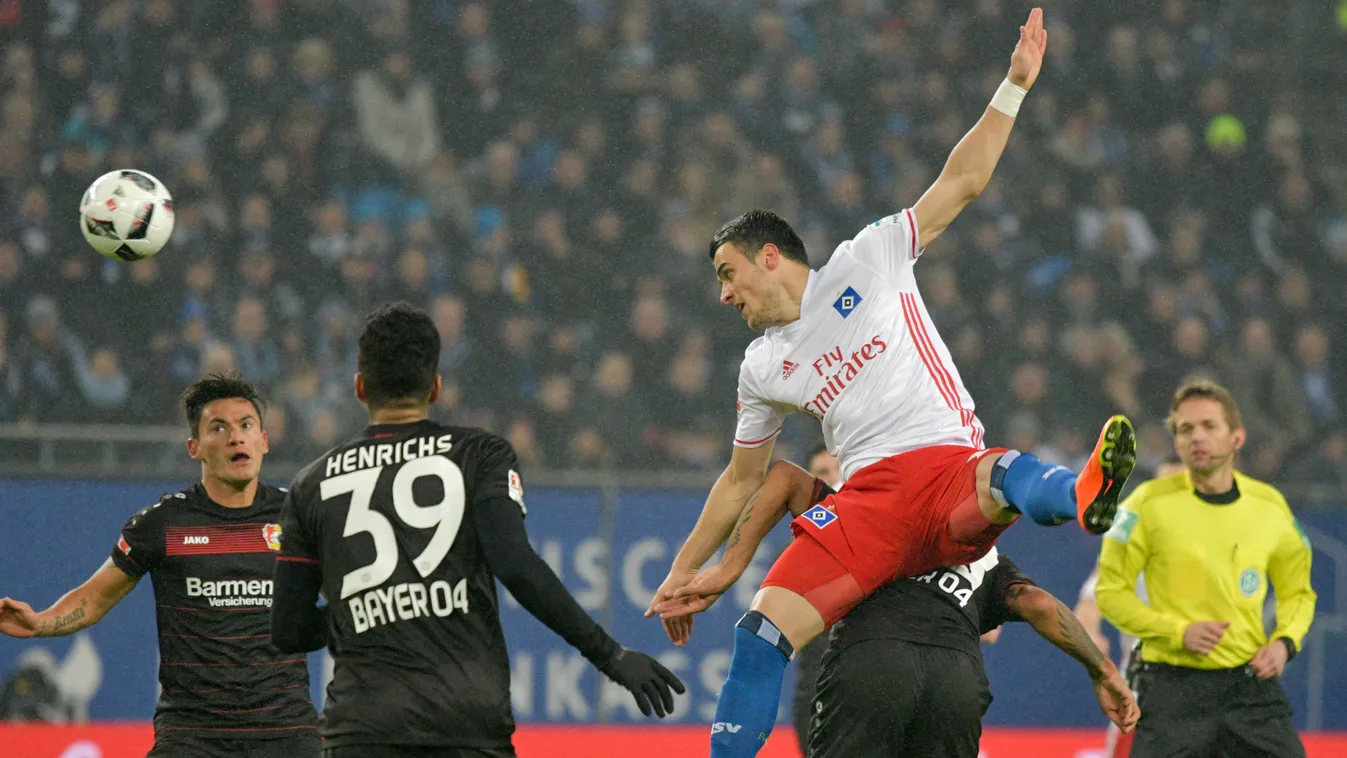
<point>646,680</point>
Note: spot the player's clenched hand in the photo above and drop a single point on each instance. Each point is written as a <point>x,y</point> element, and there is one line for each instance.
<point>1116,699</point>
<point>18,619</point>
<point>648,681</point>
<point>1270,660</point>
<point>1201,637</point>
<point>1027,59</point>
<point>678,628</point>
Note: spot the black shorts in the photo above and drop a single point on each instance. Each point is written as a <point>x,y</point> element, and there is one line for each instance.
<point>1231,713</point>
<point>397,751</point>
<point>807,663</point>
<point>885,698</point>
<point>304,744</point>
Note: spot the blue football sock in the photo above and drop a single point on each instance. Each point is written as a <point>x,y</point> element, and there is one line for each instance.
<point>746,710</point>
<point>1043,492</point>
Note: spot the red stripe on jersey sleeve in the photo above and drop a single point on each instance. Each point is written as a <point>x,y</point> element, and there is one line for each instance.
<point>751,443</point>
<point>912,233</point>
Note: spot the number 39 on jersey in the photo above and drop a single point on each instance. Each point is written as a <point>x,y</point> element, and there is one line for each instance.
<point>363,590</point>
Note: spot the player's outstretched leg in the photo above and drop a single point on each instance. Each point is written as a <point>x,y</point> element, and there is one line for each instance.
<point>1052,495</point>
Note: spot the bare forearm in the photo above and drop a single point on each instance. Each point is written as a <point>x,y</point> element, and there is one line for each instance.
<point>722,511</point>
<point>1087,612</point>
<point>68,615</point>
<point>87,604</point>
<point>973,160</point>
<point>1054,622</point>
<point>763,511</point>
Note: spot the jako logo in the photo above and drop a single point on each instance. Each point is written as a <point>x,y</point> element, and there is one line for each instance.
<point>194,540</point>
<point>725,726</point>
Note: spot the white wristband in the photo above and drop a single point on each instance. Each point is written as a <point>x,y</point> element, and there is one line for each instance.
<point>1008,98</point>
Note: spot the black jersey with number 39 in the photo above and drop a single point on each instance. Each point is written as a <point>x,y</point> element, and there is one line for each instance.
<point>415,632</point>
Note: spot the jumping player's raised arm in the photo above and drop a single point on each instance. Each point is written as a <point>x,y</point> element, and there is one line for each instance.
<point>971,163</point>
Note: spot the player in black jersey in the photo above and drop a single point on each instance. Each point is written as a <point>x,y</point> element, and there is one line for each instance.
<point>209,551</point>
<point>902,673</point>
<point>404,530</point>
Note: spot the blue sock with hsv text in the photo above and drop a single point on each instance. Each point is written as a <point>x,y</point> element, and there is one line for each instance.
<point>1041,491</point>
<point>746,710</point>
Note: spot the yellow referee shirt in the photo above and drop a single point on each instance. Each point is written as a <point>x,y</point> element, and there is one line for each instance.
<point>1205,562</point>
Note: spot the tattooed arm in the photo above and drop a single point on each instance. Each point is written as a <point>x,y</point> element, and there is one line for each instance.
<point>1055,623</point>
<point>787,488</point>
<point>78,609</point>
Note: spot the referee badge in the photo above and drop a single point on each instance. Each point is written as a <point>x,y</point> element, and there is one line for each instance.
<point>1123,524</point>
<point>1249,582</point>
<point>819,516</point>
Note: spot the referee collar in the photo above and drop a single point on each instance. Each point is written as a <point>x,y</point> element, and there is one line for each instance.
<point>1224,498</point>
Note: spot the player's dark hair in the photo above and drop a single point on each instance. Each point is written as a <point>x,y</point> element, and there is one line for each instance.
<point>756,228</point>
<point>217,387</point>
<point>399,352</point>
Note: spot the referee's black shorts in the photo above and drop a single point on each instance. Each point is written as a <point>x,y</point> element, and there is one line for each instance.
<point>886,698</point>
<point>1186,713</point>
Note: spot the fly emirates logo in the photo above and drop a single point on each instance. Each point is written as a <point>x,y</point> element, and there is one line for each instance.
<point>840,370</point>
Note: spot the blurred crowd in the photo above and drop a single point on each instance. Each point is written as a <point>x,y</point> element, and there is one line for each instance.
<point>544,176</point>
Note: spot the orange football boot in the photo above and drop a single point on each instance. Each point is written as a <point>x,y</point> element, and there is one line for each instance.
<point>1105,473</point>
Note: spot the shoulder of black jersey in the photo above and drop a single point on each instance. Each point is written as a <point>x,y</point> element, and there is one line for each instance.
<point>1006,566</point>
<point>268,493</point>
<point>167,503</point>
<point>490,442</point>
<point>1261,491</point>
<point>306,472</point>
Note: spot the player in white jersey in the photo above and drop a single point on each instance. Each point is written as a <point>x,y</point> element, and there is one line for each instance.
<point>852,345</point>
<point>1116,744</point>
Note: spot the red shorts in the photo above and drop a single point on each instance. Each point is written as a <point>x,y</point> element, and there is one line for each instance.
<point>899,517</point>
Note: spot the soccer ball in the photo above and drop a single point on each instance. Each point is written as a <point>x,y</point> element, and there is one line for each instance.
<point>126,215</point>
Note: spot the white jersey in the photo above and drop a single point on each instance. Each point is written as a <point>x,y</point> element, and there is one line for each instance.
<point>863,358</point>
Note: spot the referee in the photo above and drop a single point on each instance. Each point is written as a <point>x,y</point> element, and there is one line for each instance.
<point>1209,541</point>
